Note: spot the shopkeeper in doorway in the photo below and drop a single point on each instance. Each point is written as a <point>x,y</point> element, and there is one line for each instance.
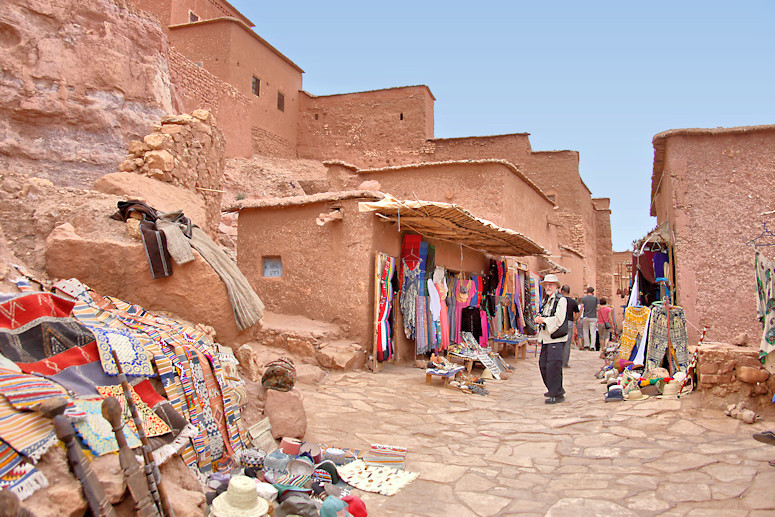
<point>552,335</point>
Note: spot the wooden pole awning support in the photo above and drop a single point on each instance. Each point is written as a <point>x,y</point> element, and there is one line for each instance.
<point>452,223</point>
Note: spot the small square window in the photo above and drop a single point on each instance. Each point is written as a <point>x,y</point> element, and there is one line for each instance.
<point>192,17</point>
<point>273,267</point>
<point>280,101</point>
<point>256,86</point>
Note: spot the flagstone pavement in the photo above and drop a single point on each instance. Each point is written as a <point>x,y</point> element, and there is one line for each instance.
<point>508,453</point>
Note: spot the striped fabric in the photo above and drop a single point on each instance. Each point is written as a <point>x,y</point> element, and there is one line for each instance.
<point>25,391</point>
<point>27,432</point>
<point>385,456</point>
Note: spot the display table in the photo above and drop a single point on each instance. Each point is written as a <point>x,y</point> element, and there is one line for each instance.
<point>447,375</point>
<point>520,345</point>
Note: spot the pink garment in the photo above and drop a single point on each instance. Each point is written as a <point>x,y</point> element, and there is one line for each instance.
<point>604,315</point>
<point>444,317</point>
<point>485,337</point>
<point>463,301</point>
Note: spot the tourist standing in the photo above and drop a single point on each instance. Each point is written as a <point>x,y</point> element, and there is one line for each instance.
<point>606,322</point>
<point>570,318</point>
<point>589,321</point>
<point>552,335</point>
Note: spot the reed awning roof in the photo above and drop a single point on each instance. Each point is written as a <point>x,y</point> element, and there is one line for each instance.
<point>452,223</point>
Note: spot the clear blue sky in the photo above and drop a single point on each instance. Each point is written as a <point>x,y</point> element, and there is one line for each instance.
<point>598,77</point>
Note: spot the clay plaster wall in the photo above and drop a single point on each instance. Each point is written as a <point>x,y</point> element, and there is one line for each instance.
<point>232,52</point>
<point>713,190</point>
<point>367,129</point>
<point>491,191</point>
<point>199,89</point>
<point>326,270</point>
<point>79,80</point>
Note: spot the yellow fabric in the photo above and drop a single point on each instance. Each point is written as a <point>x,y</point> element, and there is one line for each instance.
<point>635,319</point>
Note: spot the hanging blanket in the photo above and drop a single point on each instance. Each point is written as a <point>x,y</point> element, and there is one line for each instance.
<point>20,478</point>
<point>765,303</point>
<point>97,433</point>
<point>409,290</point>
<point>635,319</point>
<point>57,363</point>
<point>660,342</point>
<point>34,326</point>
<point>384,334</point>
<point>29,433</point>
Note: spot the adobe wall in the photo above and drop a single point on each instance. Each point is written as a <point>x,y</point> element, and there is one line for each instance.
<point>199,89</point>
<point>327,270</point>
<point>714,188</point>
<point>175,12</point>
<point>367,129</point>
<point>512,148</point>
<point>232,52</point>
<point>605,264</point>
<point>69,105</point>
<point>490,191</point>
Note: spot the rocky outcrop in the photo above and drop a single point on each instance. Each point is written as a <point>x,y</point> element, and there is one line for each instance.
<point>286,414</point>
<point>119,268</point>
<point>733,374</point>
<point>80,79</point>
<point>186,151</point>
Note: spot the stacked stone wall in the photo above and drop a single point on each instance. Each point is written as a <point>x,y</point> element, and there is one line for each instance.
<point>268,144</point>
<point>187,151</point>
<point>196,88</point>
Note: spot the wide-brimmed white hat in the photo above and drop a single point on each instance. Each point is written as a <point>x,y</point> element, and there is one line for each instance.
<point>240,500</point>
<point>551,279</point>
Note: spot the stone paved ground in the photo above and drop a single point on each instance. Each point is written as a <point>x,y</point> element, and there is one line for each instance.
<point>508,453</point>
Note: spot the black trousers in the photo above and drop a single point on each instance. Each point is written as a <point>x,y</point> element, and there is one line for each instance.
<point>550,363</point>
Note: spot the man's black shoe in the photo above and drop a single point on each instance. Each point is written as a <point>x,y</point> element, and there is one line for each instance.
<point>555,400</point>
<point>547,393</point>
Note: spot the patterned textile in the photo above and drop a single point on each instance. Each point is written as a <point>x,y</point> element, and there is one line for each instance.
<point>765,302</point>
<point>57,363</point>
<point>25,391</point>
<point>212,410</point>
<point>675,345</point>
<point>20,478</point>
<point>421,321</point>
<point>153,425</point>
<point>279,375</point>
<point>530,327</point>
<point>385,455</point>
<point>83,379</point>
<point>409,289</point>
<point>379,480</point>
<point>384,334</point>
<point>131,353</point>
<point>635,319</point>
<point>34,326</point>
<point>97,433</point>
<point>26,431</point>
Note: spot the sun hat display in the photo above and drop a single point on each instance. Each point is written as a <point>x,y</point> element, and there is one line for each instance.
<point>336,455</point>
<point>614,394</point>
<point>313,450</point>
<point>329,467</point>
<point>551,279</point>
<point>636,394</point>
<point>252,457</point>
<point>290,446</point>
<point>275,465</point>
<point>332,506</point>
<point>301,466</point>
<point>355,505</point>
<point>240,500</point>
<point>671,389</point>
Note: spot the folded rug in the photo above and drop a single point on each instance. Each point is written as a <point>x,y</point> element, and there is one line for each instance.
<point>27,432</point>
<point>20,478</point>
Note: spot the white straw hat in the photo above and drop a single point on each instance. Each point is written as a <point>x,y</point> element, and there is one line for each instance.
<point>551,279</point>
<point>240,500</point>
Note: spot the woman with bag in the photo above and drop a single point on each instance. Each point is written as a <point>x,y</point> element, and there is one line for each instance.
<point>606,322</point>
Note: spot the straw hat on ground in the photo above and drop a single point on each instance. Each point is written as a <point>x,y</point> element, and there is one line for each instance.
<point>240,500</point>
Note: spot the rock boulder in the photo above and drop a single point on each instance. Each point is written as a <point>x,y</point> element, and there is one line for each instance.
<point>285,411</point>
